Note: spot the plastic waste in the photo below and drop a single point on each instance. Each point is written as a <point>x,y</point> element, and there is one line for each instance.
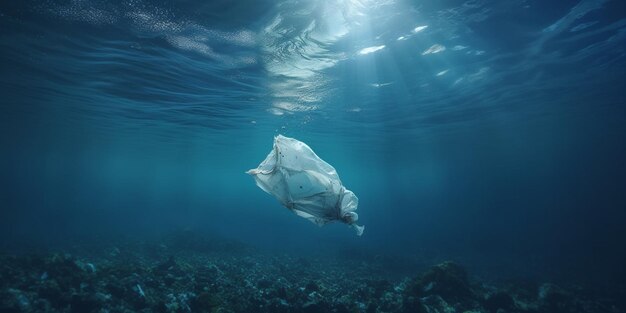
<point>306,184</point>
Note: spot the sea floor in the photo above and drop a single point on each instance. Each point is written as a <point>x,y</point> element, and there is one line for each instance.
<point>190,273</point>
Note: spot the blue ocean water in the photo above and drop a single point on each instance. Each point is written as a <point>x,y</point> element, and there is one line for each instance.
<point>489,132</point>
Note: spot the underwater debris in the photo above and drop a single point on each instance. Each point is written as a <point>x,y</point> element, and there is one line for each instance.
<point>306,184</point>
<point>140,291</point>
<point>85,266</point>
<point>91,267</point>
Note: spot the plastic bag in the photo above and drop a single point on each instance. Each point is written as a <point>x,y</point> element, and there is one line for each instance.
<point>305,184</point>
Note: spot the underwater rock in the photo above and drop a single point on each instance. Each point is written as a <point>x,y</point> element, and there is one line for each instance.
<point>65,270</point>
<point>448,280</point>
<point>553,299</point>
<point>86,302</point>
<point>277,305</point>
<point>390,302</point>
<point>205,302</point>
<point>411,304</point>
<point>264,284</point>
<point>49,290</point>
<point>281,292</point>
<point>315,307</point>
<point>436,304</point>
<point>169,264</point>
<point>181,302</point>
<point>312,286</point>
<point>499,301</point>
<point>115,288</point>
<point>378,287</point>
<point>14,300</point>
<point>85,266</point>
<point>550,293</point>
<point>114,252</point>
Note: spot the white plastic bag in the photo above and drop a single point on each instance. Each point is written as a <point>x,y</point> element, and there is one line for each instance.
<point>305,184</point>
